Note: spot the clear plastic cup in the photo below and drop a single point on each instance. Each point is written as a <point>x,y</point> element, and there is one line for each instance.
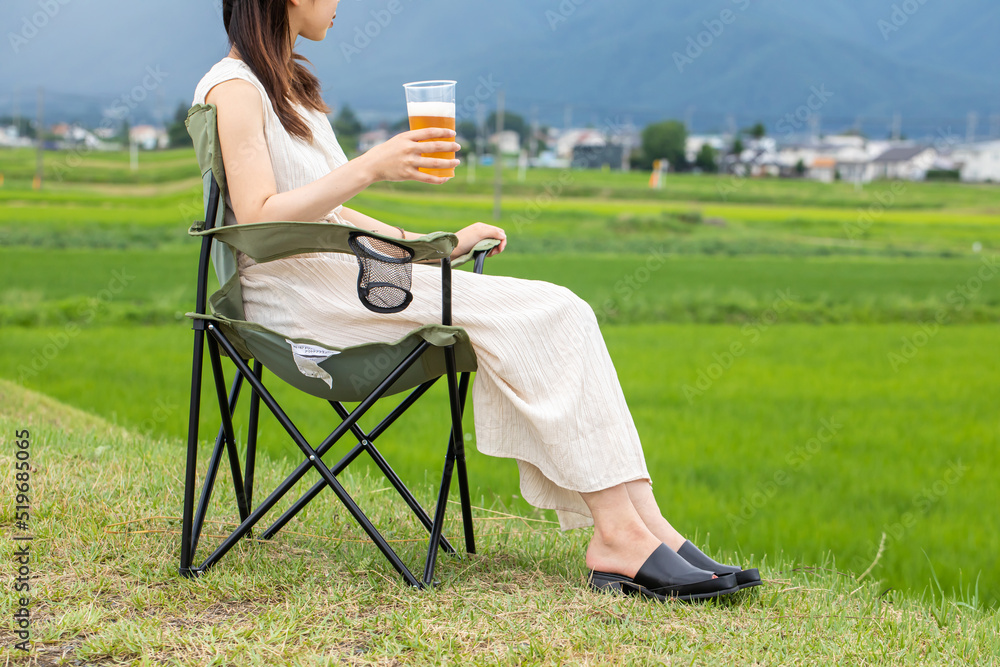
<point>432,104</point>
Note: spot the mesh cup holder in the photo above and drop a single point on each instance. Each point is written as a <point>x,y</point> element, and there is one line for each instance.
<point>385,273</point>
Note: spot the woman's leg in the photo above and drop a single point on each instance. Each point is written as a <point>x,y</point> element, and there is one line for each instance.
<point>641,496</point>
<point>622,541</point>
<point>640,493</point>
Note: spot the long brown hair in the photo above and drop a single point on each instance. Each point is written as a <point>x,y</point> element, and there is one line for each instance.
<point>259,31</point>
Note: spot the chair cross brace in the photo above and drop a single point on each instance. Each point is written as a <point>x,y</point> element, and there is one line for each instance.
<point>243,484</point>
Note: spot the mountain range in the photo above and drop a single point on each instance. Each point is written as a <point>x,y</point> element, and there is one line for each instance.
<point>598,62</point>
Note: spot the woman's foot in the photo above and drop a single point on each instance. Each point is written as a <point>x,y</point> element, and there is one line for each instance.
<point>694,556</point>
<point>620,548</point>
<point>663,576</point>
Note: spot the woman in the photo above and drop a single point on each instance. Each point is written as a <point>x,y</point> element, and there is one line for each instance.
<point>546,393</point>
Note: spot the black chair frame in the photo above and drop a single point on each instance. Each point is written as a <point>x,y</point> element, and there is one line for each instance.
<point>207,334</point>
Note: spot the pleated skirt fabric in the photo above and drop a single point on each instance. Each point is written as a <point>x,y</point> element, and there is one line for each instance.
<point>546,393</point>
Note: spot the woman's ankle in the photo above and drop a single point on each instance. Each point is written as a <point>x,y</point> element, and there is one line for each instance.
<point>666,533</point>
<point>621,549</point>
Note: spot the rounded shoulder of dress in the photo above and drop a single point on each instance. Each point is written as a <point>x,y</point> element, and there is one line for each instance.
<point>224,70</point>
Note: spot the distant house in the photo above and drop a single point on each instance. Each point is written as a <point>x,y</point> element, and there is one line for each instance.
<point>508,141</point>
<point>978,163</point>
<point>695,142</point>
<point>11,137</point>
<point>570,139</point>
<point>855,163</point>
<point>598,157</point>
<point>149,137</point>
<point>823,169</point>
<point>369,140</point>
<point>907,163</point>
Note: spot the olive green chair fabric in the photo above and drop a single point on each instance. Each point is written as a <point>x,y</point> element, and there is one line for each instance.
<point>358,373</point>
<point>345,374</point>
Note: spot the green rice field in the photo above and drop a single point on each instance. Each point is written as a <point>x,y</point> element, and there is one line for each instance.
<point>812,370</point>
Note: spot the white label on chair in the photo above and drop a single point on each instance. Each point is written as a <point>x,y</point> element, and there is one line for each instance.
<point>308,357</point>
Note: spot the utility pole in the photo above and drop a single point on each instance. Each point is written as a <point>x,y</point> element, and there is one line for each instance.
<point>897,126</point>
<point>533,143</point>
<point>970,127</point>
<point>498,160</point>
<point>815,125</point>
<point>17,110</point>
<point>627,144</point>
<point>40,132</point>
<point>568,117</point>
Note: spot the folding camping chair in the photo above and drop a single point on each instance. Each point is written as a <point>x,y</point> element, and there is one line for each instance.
<point>333,374</point>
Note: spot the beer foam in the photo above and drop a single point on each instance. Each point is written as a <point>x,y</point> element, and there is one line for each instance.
<point>436,109</point>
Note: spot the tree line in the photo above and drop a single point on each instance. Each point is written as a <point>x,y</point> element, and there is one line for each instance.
<point>665,140</point>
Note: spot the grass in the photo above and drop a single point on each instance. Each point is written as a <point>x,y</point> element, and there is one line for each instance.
<point>849,434</point>
<point>736,444</point>
<point>154,286</point>
<point>106,589</point>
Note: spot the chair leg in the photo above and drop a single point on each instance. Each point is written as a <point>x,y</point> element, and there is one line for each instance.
<point>456,454</point>
<point>258,371</point>
<point>191,472</point>
<point>227,424</point>
<point>458,438</point>
<point>213,469</point>
<point>439,510</point>
<point>463,478</point>
<point>314,459</point>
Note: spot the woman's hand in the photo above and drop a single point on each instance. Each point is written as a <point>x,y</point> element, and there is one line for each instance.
<point>400,159</point>
<point>474,233</point>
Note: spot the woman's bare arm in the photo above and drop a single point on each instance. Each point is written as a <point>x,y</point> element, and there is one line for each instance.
<point>467,236</point>
<point>254,192</point>
<point>250,177</point>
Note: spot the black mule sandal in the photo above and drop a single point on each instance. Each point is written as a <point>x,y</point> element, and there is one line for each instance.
<point>744,578</point>
<point>666,576</point>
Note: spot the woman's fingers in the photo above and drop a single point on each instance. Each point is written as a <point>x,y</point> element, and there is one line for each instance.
<point>430,133</point>
<point>438,147</point>
<point>421,177</point>
<point>436,163</point>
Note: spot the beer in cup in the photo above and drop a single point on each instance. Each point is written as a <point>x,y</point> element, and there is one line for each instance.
<point>432,104</point>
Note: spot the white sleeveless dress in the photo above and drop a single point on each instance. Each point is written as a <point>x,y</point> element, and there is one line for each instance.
<point>546,393</point>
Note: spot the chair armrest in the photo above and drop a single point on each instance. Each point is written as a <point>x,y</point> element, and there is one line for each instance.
<point>268,241</point>
<point>483,246</point>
